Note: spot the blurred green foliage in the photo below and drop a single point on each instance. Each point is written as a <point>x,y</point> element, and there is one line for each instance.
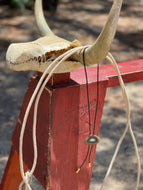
<point>22,4</point>
<point>50,5</point>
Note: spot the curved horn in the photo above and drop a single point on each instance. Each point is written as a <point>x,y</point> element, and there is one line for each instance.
<point>40,19</point>
<point>98,51</point>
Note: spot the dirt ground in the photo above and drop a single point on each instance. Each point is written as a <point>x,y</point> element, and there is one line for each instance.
<point>82,20</point>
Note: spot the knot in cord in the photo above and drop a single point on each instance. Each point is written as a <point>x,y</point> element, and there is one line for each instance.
<point>27,181</point>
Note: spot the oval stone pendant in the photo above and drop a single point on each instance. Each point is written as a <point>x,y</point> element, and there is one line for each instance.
<point>92,140</point>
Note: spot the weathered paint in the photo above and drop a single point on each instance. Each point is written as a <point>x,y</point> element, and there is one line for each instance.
<point>62,127</point>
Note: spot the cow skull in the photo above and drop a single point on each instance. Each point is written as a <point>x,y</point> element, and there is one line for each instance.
<point>37,55</point>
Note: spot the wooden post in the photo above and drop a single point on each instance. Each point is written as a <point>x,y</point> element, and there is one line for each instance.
<point>62,127</point>
<point>12,177</point>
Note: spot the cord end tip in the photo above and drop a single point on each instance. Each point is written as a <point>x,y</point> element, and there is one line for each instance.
<point>77,171</point>
<point>89,164</point>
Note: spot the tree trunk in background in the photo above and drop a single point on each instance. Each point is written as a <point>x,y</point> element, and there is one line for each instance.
<point>50,5</point>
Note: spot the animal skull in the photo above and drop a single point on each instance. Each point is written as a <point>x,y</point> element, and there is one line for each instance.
<point>38,55</point>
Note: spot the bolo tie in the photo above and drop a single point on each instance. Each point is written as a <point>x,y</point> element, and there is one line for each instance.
<point>92,139</point>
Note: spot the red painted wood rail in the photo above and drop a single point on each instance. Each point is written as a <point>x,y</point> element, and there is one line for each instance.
<point>62,127</point>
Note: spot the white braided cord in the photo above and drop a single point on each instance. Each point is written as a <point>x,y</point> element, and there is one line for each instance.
<point>27,177</point>
<point>128,126</point>
<point>52,66</point>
